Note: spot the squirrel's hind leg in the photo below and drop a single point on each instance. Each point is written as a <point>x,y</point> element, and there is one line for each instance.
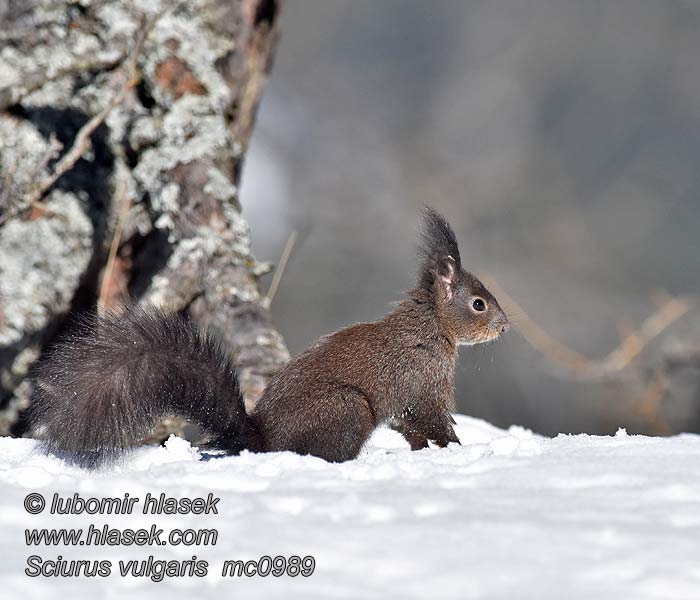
<point>335,427</point>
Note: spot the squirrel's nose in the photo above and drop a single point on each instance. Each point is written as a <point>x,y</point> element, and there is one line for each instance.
<point>505,327</point>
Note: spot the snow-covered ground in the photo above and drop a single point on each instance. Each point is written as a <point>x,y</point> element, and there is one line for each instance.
<point>507,515</point>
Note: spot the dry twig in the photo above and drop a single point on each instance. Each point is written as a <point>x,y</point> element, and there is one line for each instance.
<point>113,248</point>
<point>577,366</point>
<point>279,271</point>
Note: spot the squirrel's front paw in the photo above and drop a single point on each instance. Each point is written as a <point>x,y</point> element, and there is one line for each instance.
<point>448,436</point>
<point>416,440</point>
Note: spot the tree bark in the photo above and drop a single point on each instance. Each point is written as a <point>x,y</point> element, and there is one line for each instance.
<point>123,129</point>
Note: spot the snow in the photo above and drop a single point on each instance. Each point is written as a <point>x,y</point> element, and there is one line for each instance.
<point>507,514</point>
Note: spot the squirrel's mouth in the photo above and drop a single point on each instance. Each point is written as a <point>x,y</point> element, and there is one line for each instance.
<point>480,340</point>
<point>492,333</point>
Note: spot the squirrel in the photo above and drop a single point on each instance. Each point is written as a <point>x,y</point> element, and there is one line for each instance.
<point>102,389</point>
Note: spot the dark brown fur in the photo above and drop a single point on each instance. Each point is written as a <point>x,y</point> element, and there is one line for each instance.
<point>104,389</point>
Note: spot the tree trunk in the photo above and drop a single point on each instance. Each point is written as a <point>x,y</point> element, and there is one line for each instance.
<point>123,128</point>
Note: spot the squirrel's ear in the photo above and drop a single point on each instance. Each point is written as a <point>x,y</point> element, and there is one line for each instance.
<point>439,252</point>
<point>445,274</point>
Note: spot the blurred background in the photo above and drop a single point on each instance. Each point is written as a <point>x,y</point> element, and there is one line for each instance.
<point>560,138</point>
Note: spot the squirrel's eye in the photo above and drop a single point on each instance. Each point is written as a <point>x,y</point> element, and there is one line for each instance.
<point>479,305</point>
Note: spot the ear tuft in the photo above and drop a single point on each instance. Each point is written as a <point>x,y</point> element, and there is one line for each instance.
<point>438,251</point>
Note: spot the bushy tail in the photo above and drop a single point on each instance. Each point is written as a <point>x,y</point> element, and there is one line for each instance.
<point>103,388</point>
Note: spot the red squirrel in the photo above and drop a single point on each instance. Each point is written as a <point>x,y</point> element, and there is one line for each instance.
<point>103,388</point>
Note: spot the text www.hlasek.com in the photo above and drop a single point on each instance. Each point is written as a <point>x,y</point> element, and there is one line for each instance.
<point>106,536</point>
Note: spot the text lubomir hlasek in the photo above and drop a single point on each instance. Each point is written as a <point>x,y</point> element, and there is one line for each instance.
<point>152,504</point>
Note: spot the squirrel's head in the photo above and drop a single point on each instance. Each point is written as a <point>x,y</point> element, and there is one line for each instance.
<point>463,305</point>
